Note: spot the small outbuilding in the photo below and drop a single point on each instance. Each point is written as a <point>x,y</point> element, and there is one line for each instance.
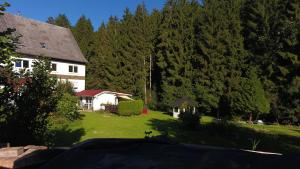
<point>182,105</point>
<point>94,100</point>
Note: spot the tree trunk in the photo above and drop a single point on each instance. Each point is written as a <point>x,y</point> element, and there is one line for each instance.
<point>250,118</point>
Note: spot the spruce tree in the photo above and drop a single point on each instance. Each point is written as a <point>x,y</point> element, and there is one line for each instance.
<point>221,53</point>
<point>133,52</point>
<point>259,20</point>
<point>96,74</point>
<point>84,34</point>
<point>60,20</point>
<point>250,98</point>
<point>286,74</point>
<point>175,51</point>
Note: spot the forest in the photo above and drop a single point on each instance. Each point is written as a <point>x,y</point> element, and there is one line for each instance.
<point>236,58</point>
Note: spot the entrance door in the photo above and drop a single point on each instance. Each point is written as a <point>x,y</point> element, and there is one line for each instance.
<point>89,103</point>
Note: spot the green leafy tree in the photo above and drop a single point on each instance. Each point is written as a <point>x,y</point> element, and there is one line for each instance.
<point>7,51</point>
<point>28,124</point>
<point>67,107</point>
<point>64,87</point>
<point>31,122</point>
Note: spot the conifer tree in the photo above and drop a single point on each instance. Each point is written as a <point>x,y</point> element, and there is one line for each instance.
<point>84,34</point>
<point>175,50</point>
<point>133,51</point>
<point>60,20</point>
<point>97,74</point>
<point>220,52</point>
<point>250,98</point>
<point>287,57</point>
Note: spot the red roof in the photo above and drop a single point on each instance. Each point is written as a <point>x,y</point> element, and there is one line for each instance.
<point>89,92</point>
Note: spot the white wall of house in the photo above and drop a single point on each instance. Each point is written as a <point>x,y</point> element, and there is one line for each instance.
<point>62,68</point>
<point>104,98</point>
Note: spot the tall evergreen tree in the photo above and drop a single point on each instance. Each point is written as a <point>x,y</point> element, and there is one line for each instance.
<point>250,98</point>
<point>96,74</point>
<point>134,49</point>
<point>103,68</point>
<point>261,43</point>
<point>221,52</point>
<point>175,50</point>
<point>287,57</point>
<point>60,20</point>
<point>84,34</point>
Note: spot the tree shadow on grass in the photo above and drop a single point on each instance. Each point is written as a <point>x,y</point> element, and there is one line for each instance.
<point>65,137</point>
<point>227,134</point>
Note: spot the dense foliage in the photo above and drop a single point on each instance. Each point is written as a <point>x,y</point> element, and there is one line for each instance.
<point>204,50</point>
<point>128,108</point>
<point>27,98</point>
<point>67,107</point>
<point>26,104</point>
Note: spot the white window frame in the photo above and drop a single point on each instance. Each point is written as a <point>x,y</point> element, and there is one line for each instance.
<point>52,67</point>
<point>73,68</point>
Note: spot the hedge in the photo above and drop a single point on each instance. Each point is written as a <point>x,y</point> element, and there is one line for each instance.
<point>128,108</point>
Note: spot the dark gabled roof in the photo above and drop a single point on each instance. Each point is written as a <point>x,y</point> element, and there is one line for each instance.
<point>43,39</point>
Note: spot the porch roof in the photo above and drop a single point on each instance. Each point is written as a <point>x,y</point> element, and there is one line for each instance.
<point>89,93</point>
<point>94,92</point>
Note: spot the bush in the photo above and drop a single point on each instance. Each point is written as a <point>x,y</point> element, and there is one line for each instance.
<point>67,107</point>
<point>128,108</point>
<point>64,87</point>
<point>189,119</point>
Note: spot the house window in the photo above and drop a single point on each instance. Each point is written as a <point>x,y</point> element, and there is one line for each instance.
<point>18,63</point>
<point>75,85</point>
<point>70,68</point>
<point>73,69</point>
<point>25,64</point>
<point>21,63</point>
<point>53,66</point>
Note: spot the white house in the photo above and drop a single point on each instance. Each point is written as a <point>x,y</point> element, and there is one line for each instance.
<point>97,99</point>
<point>43,39</point>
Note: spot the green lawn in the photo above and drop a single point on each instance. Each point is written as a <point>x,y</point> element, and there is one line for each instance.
<point>274,138</point>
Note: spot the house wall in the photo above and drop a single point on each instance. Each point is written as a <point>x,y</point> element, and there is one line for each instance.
<point>104,98</point>
<point>62,72</point>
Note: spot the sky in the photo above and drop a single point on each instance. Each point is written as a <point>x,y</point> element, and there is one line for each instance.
<point>97,10</point>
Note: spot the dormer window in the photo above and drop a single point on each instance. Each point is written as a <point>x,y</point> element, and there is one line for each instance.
<point>43,45</point>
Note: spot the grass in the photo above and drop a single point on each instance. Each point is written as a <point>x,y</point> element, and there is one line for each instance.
<point>272,138</point>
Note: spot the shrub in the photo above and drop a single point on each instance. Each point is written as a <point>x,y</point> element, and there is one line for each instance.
<point>64,87</point>
<point>67,106</point>
<point>128,108</point>
<point>189,119</point>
